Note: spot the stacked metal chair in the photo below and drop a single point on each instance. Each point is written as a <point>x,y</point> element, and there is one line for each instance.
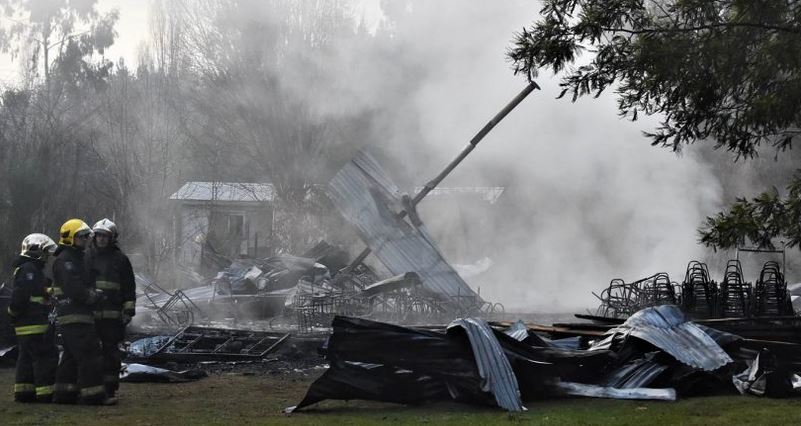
<point>698,292</point>
<point>734,299</point>
<point>656,290</point>
<point>622,299</point>
<point>770,295</point>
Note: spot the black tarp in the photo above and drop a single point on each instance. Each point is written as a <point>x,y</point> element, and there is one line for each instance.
<point>383,362</point>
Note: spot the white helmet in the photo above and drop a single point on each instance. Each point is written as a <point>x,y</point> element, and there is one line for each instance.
<point>107,226</point>
<point>37,246</point>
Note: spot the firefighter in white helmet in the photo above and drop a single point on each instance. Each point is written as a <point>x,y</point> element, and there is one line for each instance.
<point>111,272</point>
<point>30,310</point>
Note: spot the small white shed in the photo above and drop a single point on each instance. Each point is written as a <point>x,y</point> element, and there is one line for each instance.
<point>228,219</point>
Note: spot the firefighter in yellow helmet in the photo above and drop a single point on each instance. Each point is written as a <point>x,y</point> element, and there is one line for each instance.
<point>111,272</point>
<point>79,377</point>
<point>30,310</point>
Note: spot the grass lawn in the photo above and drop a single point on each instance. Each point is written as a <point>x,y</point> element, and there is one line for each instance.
<point>234,399</point>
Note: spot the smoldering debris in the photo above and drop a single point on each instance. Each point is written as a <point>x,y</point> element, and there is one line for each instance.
<point>656,354</point>
<point>300,294</point>
<point>366,197</point>
<point>305,292</point>
<point>650,339</point>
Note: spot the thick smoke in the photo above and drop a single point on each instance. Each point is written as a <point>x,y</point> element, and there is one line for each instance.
<point>587,198</point>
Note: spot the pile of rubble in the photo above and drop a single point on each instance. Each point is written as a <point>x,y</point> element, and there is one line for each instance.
<point>655,354</point>
<point>307,291</point>
<point>255,289</point>
<point>297,293</point>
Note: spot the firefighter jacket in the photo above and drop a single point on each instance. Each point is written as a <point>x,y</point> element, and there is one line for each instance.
<point>72,288</point>
<point>30,304</point>
<point>111,272</point>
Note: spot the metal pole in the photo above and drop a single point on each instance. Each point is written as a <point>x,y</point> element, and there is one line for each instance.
<point>462,155</point>
<point>473,142</point>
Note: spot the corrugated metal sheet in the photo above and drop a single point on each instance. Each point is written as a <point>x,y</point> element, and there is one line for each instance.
<point>517,331</point>
<point>635,374</point>
<point>573,343</point>
<point>225,191</point>
<point>594,391</point>
<point>721,337</point>
<point>667,328</point>
<point>367,198</point>
<point>493,366</point>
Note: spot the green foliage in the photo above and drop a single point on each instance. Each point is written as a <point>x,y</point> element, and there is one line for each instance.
<point>46,127</point>
<point>761,221</point>
<point>723,70</point>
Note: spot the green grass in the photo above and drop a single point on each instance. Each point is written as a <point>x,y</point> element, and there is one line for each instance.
<point>229,399</point>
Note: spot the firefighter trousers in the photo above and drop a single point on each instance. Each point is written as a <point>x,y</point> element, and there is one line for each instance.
<point>79,376</point>
<point>111,333</point>
<point>36,367</point>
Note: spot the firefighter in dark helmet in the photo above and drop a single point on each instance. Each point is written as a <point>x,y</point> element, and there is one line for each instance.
<point>79,377</point>
<point>112,273</point>
<point>30,310</point>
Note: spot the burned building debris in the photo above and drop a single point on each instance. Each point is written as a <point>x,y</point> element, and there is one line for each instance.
<point>195,344</point>
<point>311,289</point>
<point>656,354</point>
<point>366,196</point>
<point>307,291</point>
<point>384,337</point>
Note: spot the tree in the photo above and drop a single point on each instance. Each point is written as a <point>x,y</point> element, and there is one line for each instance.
<point>721,70</point>
<point>252,116</point>
<point>726,70</point>
<point>764,219</point>
<point>45,124</point>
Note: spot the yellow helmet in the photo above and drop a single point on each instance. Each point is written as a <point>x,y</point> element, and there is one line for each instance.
<point>71,229</point>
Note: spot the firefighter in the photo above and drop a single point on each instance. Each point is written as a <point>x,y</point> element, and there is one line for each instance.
<point>112,273</point>
<point>30,310</point>
<point>79,377</point>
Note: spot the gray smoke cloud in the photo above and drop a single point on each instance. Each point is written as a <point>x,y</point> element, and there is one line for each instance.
<point>587,198</point>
